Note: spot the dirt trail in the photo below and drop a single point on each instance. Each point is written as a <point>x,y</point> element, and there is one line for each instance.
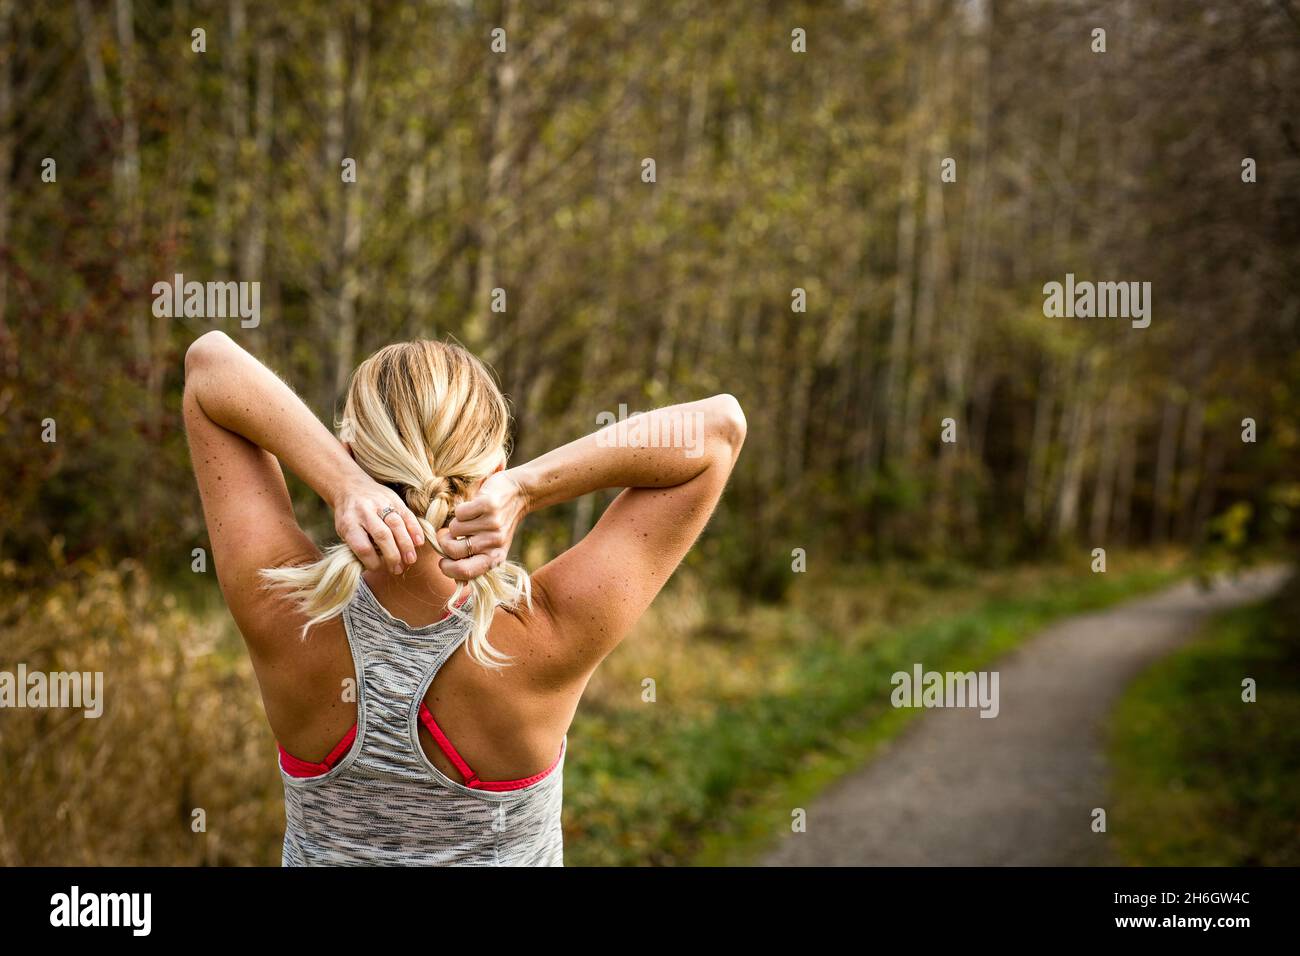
<point>1018,789</point>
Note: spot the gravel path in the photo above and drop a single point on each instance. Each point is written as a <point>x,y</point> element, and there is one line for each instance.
<point>1019,789</point>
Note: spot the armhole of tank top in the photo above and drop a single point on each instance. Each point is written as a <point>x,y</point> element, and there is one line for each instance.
<point>359,676</point>
<point>440,778</point>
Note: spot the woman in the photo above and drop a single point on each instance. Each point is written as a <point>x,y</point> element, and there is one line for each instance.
<point>420,686</point>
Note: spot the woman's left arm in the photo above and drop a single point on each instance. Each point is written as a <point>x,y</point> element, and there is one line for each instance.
<point>242,421</point>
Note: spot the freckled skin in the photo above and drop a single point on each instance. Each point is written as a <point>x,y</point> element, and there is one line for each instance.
<point>508,723</point>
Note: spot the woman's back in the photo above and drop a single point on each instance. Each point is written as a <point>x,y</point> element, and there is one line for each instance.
<point>383,801</point>
<point>451,748</point>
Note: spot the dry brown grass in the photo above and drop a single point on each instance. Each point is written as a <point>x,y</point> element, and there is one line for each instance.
<point>182,729</point>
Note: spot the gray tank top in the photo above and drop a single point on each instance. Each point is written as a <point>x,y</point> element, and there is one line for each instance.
<point>385,803</point>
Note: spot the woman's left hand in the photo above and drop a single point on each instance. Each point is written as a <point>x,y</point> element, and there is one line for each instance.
<point>478,537</point>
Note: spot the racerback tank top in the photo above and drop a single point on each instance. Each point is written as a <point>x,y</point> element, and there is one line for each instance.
<point>385,803</point>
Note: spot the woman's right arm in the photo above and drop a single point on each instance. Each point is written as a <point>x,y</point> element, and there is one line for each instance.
<point>593,593</point>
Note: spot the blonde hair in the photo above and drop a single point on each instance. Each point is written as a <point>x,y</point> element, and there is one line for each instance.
<point>427,419</point>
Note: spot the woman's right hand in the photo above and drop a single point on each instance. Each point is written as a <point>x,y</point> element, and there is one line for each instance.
<point>478,537</point>
<point>379,542</point>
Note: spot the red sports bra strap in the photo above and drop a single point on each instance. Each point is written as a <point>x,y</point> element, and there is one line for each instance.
<point>446,746</point>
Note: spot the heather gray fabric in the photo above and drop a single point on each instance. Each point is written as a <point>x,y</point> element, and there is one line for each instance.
<point>385,803</point>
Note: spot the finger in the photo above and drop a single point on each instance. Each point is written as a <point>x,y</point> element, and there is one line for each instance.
<point>382,536</point>
<point>412,525</point>
<point>472,508</point>
<point>463,529</point>
<point>468,569</point>
<point>359,542</point>
<point>453,547</point>
<point>401,537</point>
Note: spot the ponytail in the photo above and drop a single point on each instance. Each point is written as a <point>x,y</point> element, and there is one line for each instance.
<point>322,589</point>
<point>402,402</point>
<point>507,584</point>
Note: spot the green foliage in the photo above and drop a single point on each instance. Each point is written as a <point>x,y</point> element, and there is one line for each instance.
<point>668,783</point>
<point>1202,778</point>
<point>777,170</point>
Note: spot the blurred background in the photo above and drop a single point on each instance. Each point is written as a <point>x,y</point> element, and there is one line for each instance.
<point>775,171</point>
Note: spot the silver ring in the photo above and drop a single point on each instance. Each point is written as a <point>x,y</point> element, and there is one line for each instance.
<point>386,512</point>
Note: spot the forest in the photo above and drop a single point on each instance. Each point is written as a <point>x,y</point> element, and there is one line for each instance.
<point>848,214</point>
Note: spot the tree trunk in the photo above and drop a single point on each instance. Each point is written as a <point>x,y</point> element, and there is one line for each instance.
<point>1077,440</point>
<point>1122,516</point>
<point>904,279</point>
<point>1166,460</point>
<point>1037,459</point>
<point>1190,464</point>
<point>1107,468</point>
<point>348,87</point>
<point>500,129</point>
<point>8,346</point>
<point>253,235</point>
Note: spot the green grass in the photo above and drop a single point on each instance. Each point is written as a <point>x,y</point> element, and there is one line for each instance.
<point>1202,778</point>
<point>717,784</point>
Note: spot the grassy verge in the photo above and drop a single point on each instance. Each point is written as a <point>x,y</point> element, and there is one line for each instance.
<point>756,707</point>
<point>709,772</point>
<point>1202,778</point>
